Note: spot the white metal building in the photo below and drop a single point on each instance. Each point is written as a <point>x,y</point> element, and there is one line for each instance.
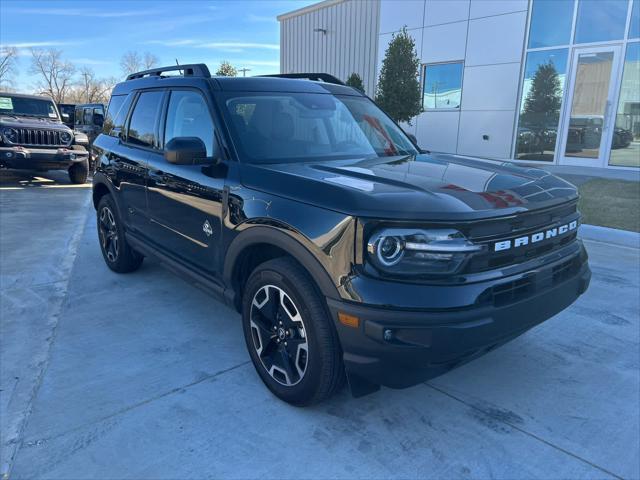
<point>550,81</point>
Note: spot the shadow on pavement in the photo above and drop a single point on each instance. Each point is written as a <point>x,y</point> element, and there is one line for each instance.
<point>21,179</point>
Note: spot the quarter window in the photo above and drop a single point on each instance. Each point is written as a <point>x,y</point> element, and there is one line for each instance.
<point>117,114</point>
<point>442,86</point>
<point>189,116</point>
<point>144,120</point>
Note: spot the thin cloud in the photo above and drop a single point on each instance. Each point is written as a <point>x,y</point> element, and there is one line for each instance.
<point>260,18</point>
<point>39,44</point>
<point>172,43</point>
<point>221,45</point>
<point>77,12</point>
<point>90,61</point>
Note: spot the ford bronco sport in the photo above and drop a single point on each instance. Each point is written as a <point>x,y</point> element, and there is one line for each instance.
<point>349,253</point>
<point>33,137</point>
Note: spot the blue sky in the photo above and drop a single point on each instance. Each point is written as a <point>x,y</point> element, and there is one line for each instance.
<point>97,33</point>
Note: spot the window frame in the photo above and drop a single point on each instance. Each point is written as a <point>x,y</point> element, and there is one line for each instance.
<point>125,138</point>
<point>423,80</point>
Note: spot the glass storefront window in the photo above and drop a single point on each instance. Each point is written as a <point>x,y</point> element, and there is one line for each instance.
<point>601,20</point>
<point>634,27</point>
<point>625,144</point>
<point>550,23</point>
<point>442,86</point>
<point>542,92</point>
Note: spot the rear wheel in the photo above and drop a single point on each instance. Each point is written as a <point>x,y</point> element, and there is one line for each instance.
<point>291,339</point>
<point>79,171</point>
<point>117,253</point>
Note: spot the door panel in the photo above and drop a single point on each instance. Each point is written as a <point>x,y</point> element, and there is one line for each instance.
<point>185,208</point>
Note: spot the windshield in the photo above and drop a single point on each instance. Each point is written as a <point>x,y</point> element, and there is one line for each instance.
<point>31,107</point>
<point>287,127</point>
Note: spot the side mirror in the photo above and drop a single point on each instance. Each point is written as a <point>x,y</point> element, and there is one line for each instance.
<point>413,138</point>
<point>65,117</point>
<point>185,151</point>
<point>98,119</point>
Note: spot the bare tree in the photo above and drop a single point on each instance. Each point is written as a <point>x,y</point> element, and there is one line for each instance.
<point>150,60</point>
<point>132,62</point>
<point>8,61</point>
<point>90,89</point>
<point>56,74</point>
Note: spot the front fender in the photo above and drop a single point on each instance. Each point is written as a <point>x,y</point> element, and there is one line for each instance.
<point>321,240</point>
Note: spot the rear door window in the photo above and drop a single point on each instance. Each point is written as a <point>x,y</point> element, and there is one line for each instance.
<point>143,126</point>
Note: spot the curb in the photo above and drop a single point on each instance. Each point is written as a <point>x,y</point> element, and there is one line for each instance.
<point>623,238</point>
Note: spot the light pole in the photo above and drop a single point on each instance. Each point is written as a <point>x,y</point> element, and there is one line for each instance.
<point>244,71</point>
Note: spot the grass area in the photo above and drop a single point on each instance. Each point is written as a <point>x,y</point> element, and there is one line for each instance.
<point>611,203</point>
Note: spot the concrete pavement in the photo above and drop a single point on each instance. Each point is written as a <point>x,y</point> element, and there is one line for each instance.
<point>144,376</point>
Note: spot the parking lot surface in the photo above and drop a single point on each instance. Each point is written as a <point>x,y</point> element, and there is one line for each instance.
<point>144,376</point>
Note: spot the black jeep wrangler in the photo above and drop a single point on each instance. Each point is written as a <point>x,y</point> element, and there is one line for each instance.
<point>33,137</point>
<point>349,253</point>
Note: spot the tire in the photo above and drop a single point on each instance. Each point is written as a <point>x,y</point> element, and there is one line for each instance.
<point>117,253</point>
<point>78,172</point>
<point>285,320</point>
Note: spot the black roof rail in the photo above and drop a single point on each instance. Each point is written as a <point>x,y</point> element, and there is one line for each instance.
<point>192,70</point>
<point>318,77</point>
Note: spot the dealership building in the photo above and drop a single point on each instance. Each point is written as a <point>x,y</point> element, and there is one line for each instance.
<point>536,81</point>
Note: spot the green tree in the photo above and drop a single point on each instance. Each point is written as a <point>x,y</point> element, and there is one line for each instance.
<point>398,91</point>
<point>355,81</point>
<point>226,70</point>
<point>543,101</point>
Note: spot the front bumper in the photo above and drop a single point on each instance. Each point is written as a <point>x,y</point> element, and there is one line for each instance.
<point>23,158</point>
<point>399,348</point>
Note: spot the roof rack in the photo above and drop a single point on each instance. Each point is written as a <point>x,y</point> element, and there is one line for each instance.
<point>318,77</point>
<point>192,70</point>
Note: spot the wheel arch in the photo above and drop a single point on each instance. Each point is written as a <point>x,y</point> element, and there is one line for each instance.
<point>258,244</point>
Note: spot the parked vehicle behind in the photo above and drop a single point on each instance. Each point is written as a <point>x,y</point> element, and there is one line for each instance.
<point>67,113</point>
<point>89,119</point>
<point>348,252</point>
<point>33,137</point>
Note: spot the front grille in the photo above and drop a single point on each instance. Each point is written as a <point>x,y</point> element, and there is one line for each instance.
<point>40,138</point>
<point>515,290</point>
<point>487,233</point>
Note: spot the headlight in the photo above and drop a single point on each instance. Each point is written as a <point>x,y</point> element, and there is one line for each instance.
<point>11,134</point>
<point>419,252</point>
<point>65,137</point>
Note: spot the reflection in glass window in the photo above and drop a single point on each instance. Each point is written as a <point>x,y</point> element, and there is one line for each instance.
<point>625,145</point>
<point>601,20</point>
<point>542,91</point>
<point>634,27</point>
<point>442,86</point>
<point>550,23</point>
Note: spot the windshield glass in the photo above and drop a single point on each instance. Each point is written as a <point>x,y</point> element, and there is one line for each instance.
<point>289,127</point>
<point>31,107</point>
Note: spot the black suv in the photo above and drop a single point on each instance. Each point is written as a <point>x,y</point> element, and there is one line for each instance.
<point>349,253</point>
<point>33,137</point>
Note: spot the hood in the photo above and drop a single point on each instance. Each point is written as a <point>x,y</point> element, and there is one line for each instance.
<point>422,187</point>
<point>18,121</point>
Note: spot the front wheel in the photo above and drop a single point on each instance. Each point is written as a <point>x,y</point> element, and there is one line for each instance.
<point>79,171</point>
<point>291,339</point>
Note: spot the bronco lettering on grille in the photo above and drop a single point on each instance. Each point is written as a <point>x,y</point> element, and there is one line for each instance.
<point>535,237</point>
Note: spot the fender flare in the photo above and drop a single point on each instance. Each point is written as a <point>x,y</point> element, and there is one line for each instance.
<point>100,179</point>
<point>278,238</point>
